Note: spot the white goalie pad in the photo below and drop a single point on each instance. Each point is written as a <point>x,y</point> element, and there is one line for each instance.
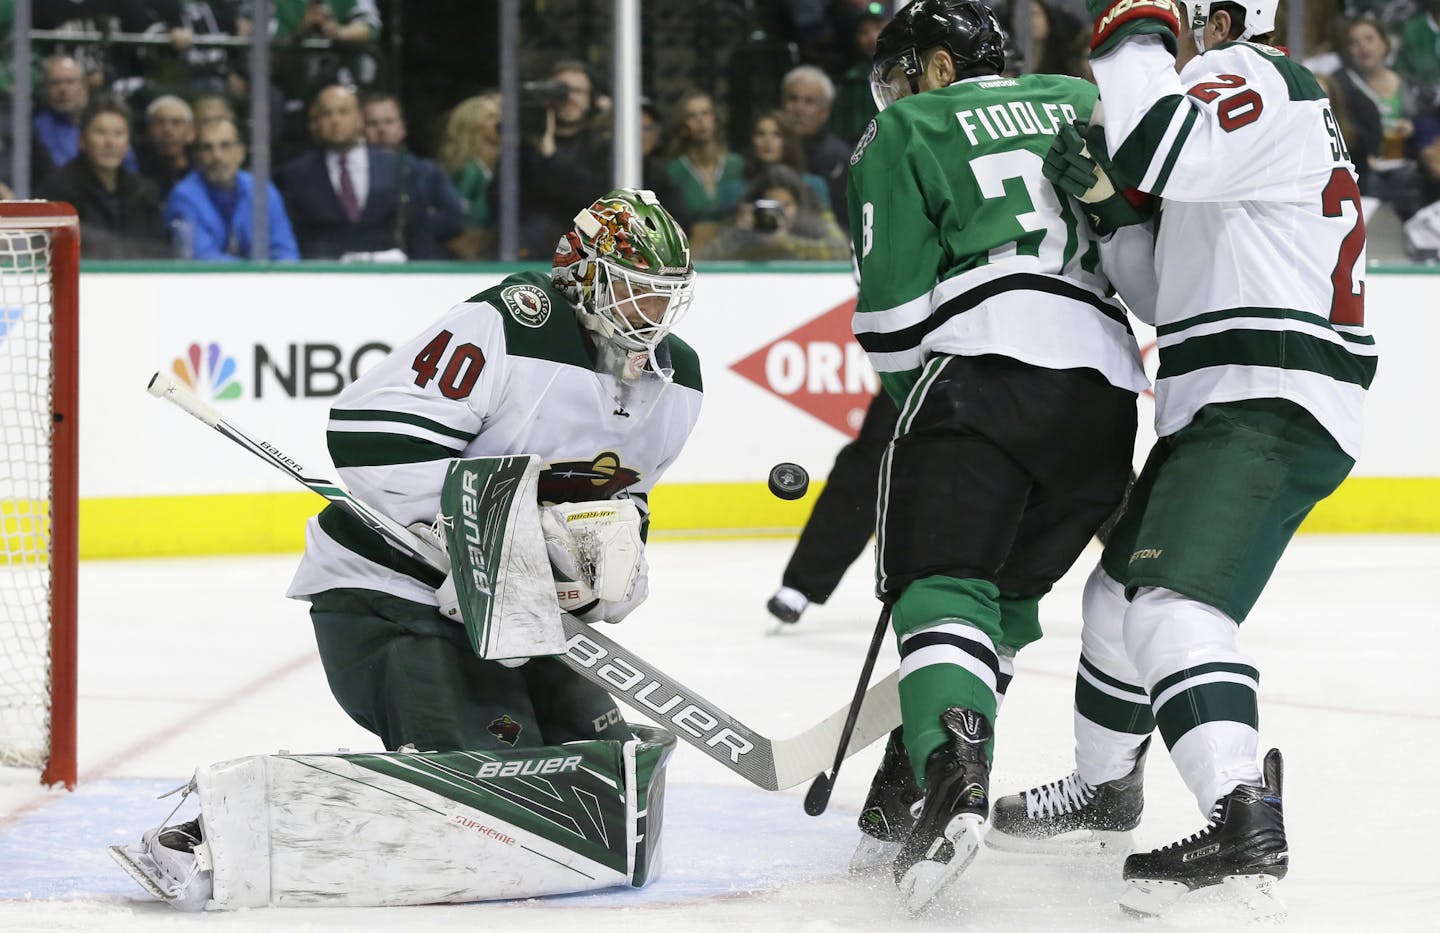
<point>442,827</point>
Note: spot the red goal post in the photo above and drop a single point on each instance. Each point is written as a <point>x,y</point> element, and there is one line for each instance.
<point>39,485</point>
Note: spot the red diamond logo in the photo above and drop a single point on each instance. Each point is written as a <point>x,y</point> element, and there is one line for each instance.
<point>818,368</point>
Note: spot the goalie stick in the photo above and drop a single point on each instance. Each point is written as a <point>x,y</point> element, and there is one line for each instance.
<point>774,764</point>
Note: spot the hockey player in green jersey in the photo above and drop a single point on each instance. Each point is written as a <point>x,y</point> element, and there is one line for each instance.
<point>1264,362</point>
<point>576,367</point>
<point>985,311</point>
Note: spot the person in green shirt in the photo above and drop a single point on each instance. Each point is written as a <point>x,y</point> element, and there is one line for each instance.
<point>469,153</point>
<point>702,170</point>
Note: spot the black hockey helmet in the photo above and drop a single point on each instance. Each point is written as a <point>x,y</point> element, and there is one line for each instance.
<point>967,30</point>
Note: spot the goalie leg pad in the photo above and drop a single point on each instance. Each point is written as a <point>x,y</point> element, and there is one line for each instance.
<point>450,827</point>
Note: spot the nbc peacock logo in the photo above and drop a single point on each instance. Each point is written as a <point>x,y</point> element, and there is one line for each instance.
<point>208,371</point>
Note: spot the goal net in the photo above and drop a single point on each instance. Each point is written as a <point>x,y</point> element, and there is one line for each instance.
<point>39,349</point>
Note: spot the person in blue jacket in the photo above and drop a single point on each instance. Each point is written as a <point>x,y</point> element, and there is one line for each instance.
<point>209,211</point>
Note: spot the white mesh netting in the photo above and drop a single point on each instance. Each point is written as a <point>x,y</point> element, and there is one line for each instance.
<point>26,326</point>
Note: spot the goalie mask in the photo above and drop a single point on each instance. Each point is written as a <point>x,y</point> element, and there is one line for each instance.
<point>967,30</point>
<point>626,266</point>
<point>1259,17</point>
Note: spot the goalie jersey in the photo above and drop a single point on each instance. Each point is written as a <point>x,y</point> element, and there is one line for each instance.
<point>510,371</point>
<point>964,248</point>
<point>1260,254</point>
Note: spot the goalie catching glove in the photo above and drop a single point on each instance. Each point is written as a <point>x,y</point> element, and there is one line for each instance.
<point>597,558</point>
<point>1079,165</point>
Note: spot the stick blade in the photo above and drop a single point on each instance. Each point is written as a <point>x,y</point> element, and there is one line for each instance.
<point>817,798</point>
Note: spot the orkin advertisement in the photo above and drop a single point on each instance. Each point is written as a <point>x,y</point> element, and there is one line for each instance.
<point>819,368</point>
<point>783,378</point>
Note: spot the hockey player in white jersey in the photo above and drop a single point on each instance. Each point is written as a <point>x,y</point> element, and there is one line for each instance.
<point>575,368</point>
<point>1264,362</point>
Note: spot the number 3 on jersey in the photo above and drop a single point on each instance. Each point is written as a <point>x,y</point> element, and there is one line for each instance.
<point>462,367</point>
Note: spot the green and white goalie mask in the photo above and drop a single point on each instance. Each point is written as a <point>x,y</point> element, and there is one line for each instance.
<point>626,266</point>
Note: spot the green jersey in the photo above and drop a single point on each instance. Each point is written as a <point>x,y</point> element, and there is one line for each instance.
<point>964,248</point>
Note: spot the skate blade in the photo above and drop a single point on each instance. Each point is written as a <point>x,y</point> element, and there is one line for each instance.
<point>130,861</point>
<point>1152,898</point>
<point>873,856</point>
<point>926,879</point>
<point>1257,893</point>
<point>1145,897</point>
<point>1077,842</point>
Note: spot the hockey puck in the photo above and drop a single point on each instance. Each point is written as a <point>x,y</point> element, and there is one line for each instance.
<point>789,480</point>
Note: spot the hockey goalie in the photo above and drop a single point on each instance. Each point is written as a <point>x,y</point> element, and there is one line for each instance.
<point>519,436</point>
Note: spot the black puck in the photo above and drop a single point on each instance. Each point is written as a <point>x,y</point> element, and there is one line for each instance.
<point>789,480</point>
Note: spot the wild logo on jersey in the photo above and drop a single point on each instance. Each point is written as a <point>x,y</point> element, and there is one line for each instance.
<point>528,304</point>
<point>582,481</point>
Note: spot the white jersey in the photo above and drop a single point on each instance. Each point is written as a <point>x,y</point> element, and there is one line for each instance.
<point>1260,254</point>
<point>507,372</point>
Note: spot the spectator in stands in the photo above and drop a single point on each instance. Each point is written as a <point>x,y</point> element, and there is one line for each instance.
<point>165,148</point>
<point>773,142</point>
<point>1418,60</point>
<point>207,68</point>
<point>565,164</point>
<point>654,162</point>
<point>1056,38</point>
<point>119,209</point>
<point>1382,106</point>
<point>210,211</point>
<point>470,153</point>
<point>704,172</point>
<point>344,197</point>
<point>808,95</point>
<point>854,105</point>
<point>352,27</point>
<point>780,218</point>
<point>56,123</point>
<point>209,107</point>
<point>422,183</point>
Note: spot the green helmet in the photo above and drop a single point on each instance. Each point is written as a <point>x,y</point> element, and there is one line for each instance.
<point>626,266</point>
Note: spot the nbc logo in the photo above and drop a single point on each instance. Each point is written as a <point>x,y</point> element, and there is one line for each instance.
<point>207,371</point>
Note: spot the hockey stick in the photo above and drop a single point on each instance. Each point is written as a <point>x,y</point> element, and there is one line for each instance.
<point>817,798</point>
<point>771,764</point>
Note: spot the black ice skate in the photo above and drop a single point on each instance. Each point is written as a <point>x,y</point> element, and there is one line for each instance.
<point>946,835</point>
<point>1243,848</point>
<point>786,606</point>
<point>887,817</point>
<point>1069,814</point>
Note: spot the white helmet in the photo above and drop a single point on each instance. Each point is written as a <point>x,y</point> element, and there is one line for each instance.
<point>1259,17</point>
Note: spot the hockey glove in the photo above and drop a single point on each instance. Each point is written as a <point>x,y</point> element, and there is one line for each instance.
<point>1117,20</point>
<point>597,558</point>
<point>1079,165</point>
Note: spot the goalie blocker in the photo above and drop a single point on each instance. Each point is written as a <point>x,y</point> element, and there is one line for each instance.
<point>401,829</point>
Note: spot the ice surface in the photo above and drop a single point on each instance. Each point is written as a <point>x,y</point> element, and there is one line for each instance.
<point>190,661</point>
